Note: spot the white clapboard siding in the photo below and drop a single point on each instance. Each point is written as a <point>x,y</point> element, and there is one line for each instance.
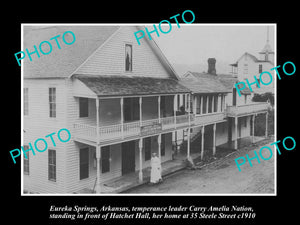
<point>38,124</point>
<point>110,58</point>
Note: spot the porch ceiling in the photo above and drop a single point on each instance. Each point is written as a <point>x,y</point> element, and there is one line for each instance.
<point>122,86</point>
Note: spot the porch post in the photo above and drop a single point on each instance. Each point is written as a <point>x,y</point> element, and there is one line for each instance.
<point>122,116</point>
<point>189,112</point>
<point>189,142</point>
<point>158,102</point>
<point>159,146</point>
<point>253,123</point>
<point>207,100</point>
<point>98,149</point>
<point>266,132</point>
<point>195,103</point>
<point>174,108</point>
<point>201,106</point>
<point>236,132</point>
<point>141,160</point>
<point>140,103</point>
<point>202,142</point>
<point>213,104</point>
<point>214,139</point>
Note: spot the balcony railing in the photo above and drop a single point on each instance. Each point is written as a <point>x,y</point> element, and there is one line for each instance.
<point>128,129</point>
<point>209,118</point>
<point>240,110</point>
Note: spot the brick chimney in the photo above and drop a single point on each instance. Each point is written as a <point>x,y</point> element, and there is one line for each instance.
<point>211,66</point>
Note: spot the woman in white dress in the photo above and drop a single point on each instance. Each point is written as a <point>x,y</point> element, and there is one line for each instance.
<point>155,175</point>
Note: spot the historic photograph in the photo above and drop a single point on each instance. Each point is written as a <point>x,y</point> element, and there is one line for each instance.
<point>113,109</point>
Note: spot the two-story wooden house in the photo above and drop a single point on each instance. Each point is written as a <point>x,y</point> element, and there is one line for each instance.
<point>117,98</point>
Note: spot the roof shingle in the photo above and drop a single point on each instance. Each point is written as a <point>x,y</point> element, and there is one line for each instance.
<point>62,62</point>
<point>122,86</point>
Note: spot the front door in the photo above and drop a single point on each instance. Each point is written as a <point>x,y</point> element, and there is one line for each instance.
<point>128,157</point>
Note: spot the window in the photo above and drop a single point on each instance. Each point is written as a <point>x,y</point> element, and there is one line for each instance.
<point>83,107</point>
<point>51,165</point>
<point>25,102</point>
<point>105,159</point>
<point>52,102</point>
<point>26,161</point>
<point>147,144</point>
<point>128,57</point>
<point>260,68</point>
<point>83,163</point>
<point>163,145</point>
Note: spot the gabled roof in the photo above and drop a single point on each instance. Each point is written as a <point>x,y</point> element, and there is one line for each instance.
<point>122,86</point>
<point>62,62</point>
<point>204,83</point>
<point>251,56</point>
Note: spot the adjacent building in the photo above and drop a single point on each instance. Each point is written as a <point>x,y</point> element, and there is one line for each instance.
<point>249,65</point>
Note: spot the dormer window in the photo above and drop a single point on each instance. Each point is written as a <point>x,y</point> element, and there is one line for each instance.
<point>128,57</point>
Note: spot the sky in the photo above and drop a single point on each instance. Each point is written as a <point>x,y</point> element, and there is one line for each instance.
<point>195,43</point>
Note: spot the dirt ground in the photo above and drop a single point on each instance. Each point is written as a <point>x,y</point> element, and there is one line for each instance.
<point>222,176</point>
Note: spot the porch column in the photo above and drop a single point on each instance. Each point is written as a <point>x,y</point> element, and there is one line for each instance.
<point>236,132</point>
<point>266,132</point>
<point>158,102</point>
<point>98,149</point>
<point>188,142</point>
<point>140,160</point>
<point>214,139</point>
<point>189,112</point>
<point>174,108</point>
<point>207,100</point>
<point>194,105</point>
<point>201,106</point>
<point>202,142</point>
<point>140,103</point>
<point>253,123</point>
<point>213,104</point>
<point>159,146</point>
<point>122,115</point>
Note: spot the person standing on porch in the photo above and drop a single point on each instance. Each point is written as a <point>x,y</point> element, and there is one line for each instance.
<point>155,175</point>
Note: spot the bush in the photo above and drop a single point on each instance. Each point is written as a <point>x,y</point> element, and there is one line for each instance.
<point>264,97</point>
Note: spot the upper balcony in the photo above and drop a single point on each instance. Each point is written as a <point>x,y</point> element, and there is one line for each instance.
<point>248,109</point>
<point>134,129</point>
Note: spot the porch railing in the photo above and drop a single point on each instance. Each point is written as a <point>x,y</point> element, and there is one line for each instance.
<point>247,109</point>
<point>128,129</point>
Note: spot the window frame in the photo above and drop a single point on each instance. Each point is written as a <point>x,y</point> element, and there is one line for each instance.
<point>52,102</point>
<point>52,165</point>
<point>26,170</point>
<point>130,68</point>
